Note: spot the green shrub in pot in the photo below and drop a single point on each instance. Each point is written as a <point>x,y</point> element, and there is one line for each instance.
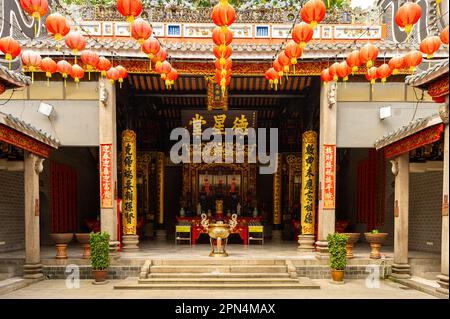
<point>338,255</point>
<point>99,255</point>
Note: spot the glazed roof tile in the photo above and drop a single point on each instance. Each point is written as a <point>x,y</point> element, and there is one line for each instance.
<point>407,130</point>
<point>29,130</point>
<point>432,73</point>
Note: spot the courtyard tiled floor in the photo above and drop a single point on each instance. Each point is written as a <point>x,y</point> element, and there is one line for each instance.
<point>351,289</point>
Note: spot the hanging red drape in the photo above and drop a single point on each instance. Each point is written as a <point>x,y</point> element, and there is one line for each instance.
<point>63,198</point>
<point>371,190</point>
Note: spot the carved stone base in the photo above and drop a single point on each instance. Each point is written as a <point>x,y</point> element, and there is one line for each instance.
<point>443,283</point>
<point>114,249</point>
<point>401,271</point>
<point>306,243</point>
<point>161,235</point>
<point>322,249</point>
<point>61,251</point>
<point>375,251</point>
<point>130,242</point>
<point>277,235</point>
<point>32,271</point>
<point>86,251</point>
<point>349,249</point>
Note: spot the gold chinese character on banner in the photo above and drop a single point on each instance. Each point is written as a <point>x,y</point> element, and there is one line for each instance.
<point>241,124</point>
<point>129,186</point>
<point>219,123</point>
<point>197,122</point>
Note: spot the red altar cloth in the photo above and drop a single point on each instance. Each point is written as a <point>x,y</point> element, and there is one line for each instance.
<point>241,227</point>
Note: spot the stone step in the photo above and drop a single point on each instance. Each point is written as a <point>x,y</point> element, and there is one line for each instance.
<point>307,284</point>
<point>430,275</point>
<point>218,262</point>
<point>220,269</point>
<point>424,261</point>
<point>7,271</point>
<point>217,275</point>
<point>217,281</point>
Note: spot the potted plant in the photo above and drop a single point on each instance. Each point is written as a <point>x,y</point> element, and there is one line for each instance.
<point>338,256</point>
<point>375,239</point>
<point>99,256</point>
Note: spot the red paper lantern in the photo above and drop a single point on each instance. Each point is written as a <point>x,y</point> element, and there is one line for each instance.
<point>91,59</point>
<point>57,25</point>
<point>223,14</point>
<point>333,70</point>
<point>354,61</point>
<point>32,60</point>
<point>123,74</point>
<point>160,57</point>
<point>278,67</point>
<point>129,8</point>
<point>163,69</point>
<point>325,76</point>
<point>223,81</point>
<point>372,75</point>
<point>103,65</point>
<point>77,73</point>
<point>444,35</point>
<point>151,47</point>
<point>112,74</point>
<point>293,52</point>
<point>222,52</point>
<point>64,68</point>
<point>413,59</point>
<point>223,64</point>
<point>313,12</point>
<point>343,71</point>
<point>36,9</point>
<point>383,72</point>
<point>302,34</point>
<point>284,61</point>
<point>222,36</point>
<point>76,42</point>
<point>141,30</point>
<point>172,76</point>
<point>368,55</point>
<point>48,66</point>
<point>273,77</point>
<point>397,63</point>
<point>10,47</point>
<point>408,15</point>
<point>430,45</point>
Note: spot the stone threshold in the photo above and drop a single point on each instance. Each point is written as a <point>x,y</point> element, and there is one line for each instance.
<point>420,286</point>
<point>16,283</point>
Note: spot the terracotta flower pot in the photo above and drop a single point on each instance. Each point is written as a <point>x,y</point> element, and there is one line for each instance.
<point>352,238</point>
<point>100,275</point>
<point>61,240</point>
<point>83,239</point>
<point>375,241</point>
<point>337,275</point>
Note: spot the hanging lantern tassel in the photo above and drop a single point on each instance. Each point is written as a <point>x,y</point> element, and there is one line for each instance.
<point>48,75</point>
<point>438,4</point>
<point>120,83</point>
<point>372,83</point>
<point>65,80</point>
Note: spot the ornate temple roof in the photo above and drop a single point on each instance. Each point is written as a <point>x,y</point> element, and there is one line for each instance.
<point>29,130</point>
<point>13,78</point>
<point>423,78</point>
<point>407,130</point>
<point>189,49</point>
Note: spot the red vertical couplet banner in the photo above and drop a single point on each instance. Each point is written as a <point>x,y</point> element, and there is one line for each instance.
<point>106,189</point>
<point>329,177</point>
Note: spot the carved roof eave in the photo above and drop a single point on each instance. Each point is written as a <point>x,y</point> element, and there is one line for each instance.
<point>407,130</point>
<point>201,51</point>
<point>13,78</point>
<point>426,77</point>
<point>29,130</point>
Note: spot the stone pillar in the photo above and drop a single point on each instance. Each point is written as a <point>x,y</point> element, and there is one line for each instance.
<point>107,137</point>
<point>400,169</point>
<point>326,220</point>
<point>32,167</point>
<point>443,277</point>
<point>277,214</point>
<point>161,234</point>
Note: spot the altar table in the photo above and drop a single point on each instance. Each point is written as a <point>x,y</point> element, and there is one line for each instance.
<point>241,227</point>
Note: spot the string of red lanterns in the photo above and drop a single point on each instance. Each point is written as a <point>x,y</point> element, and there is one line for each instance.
<point>223,16</point>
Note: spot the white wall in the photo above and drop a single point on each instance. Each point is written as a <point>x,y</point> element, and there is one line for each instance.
<point>75,122</point>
